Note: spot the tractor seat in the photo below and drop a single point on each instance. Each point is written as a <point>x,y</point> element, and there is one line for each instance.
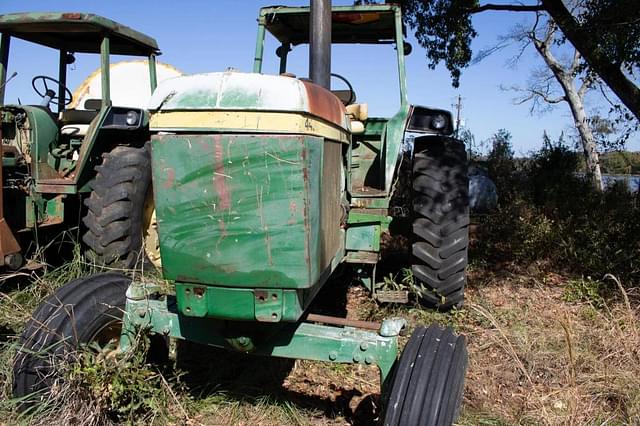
<point>75,122</point>
<point>358,114</point>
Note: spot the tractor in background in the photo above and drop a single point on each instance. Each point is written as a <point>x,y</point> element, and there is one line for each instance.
<point>263,186</point>
<point>55,158</point>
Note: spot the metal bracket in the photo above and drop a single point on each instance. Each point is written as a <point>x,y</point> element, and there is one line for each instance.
<point>300,340</point>
<point>268,305</point>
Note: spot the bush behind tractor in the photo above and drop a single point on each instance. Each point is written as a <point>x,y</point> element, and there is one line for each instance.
<point>53,161</point>
<point>264,185</point>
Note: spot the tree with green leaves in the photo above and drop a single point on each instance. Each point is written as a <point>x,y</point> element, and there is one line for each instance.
<point>605,32</point>
<point>500,162</point>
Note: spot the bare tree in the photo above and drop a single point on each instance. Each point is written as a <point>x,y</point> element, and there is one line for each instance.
<point>561,81</point>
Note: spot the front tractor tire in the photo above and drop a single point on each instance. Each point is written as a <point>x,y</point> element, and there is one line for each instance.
<point>82,311</point>
<point>427,382</point>
<point>120,209</point>
<point>440,188</point>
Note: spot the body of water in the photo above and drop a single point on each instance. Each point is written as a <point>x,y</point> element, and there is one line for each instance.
<point>632,181</point>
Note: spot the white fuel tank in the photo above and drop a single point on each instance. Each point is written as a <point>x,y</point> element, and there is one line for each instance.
<point>130,85</point>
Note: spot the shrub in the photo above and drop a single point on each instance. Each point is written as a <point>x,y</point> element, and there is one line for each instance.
<point>554,215</point>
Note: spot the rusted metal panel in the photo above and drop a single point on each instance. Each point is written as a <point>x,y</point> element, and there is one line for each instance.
<point>371,23</point>
<point>230,90</point>
<point>324,104</point>
<point>8,244</point>
<point>46,188</point>
<point>325,319</point>
<point>244,210</point>
<point>53,28</point>
<point>44,211</point>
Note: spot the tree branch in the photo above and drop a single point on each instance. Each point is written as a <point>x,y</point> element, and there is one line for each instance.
<point>507,7</point>
<point>533,93</point>
<point>575,63</point>
<point>543,48</point>
<point>587,83</point>
<point>586,43</point>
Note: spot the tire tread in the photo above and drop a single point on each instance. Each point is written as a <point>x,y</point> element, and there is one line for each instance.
<point>114,218</point>
<point>440,222</point>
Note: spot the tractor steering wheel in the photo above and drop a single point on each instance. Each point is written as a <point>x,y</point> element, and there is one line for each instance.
<point>352,93</point>
<point>55,99</point>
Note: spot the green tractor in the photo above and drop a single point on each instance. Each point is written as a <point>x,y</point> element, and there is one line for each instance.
<point>264,186</point>
<point>53,161</point>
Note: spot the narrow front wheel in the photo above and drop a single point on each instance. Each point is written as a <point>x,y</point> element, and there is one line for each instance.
<point>85,310</point>
<point>428,380</point>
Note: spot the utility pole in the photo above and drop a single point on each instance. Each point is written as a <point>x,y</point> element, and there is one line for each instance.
<point>458,107</point>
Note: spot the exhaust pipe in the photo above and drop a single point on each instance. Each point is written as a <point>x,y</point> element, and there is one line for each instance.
<point>320,42</point>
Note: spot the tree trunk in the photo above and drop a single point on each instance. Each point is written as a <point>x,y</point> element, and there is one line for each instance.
<point>582,40</point>
<point>591,156</point>
<point>575,98</point>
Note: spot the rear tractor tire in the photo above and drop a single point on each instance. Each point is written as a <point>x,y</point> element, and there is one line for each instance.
<point>427,382</point>
<point>120,224</point>
<point>82,311</point>
<point>440,228</point>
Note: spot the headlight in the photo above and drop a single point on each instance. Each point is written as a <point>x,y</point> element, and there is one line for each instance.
<point>438,122</point>
<point>425,120</point>
<point>132,118</point>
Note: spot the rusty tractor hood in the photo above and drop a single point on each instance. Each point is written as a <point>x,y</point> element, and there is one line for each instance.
<point>237,91</point>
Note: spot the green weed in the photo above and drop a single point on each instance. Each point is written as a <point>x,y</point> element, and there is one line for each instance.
<point>584,290</point>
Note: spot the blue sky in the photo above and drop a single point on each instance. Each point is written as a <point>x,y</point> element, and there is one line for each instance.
<point>203,36</point>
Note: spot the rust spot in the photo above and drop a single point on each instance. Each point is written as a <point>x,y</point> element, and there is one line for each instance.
<point>8,244</point>
<point>72,16</point>
<point>51,188</point>
<point>219,179</point>
<point>261,295</point>
<point>293,209</point>
<point>305,207</point>
<point>305,170</point>
<point>307,227</point>
<point>223,233</point>
<point>325,104</point>
<point>171,178</point>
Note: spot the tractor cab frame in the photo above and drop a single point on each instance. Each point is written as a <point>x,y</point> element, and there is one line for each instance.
<point>377,141</point>
<point>371,24</point>
<point>48,156</point>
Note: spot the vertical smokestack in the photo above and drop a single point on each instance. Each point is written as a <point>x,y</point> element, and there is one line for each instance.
<point>320,42</point>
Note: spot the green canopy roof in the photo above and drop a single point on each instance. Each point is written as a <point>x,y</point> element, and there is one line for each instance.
<point>76,32</point>
<point>374,24</point>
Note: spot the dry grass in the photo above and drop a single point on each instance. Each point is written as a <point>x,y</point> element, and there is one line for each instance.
<point>534,359</point>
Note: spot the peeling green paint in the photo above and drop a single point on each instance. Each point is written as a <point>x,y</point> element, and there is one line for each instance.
<point>239,210</point>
